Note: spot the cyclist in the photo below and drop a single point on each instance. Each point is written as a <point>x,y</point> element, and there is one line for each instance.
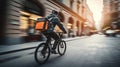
<point>53,21</point>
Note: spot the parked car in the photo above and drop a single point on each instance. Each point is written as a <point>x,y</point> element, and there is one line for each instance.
<point>111,32</point>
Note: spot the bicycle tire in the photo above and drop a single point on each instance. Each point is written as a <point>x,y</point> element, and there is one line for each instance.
<point>37,54</point>
<point>62,45</point>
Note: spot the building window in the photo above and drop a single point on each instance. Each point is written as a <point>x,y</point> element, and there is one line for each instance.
<point>118,4</point>
<point>71,3</point>
<point>83,8</point>
<point>118,0</point>
<point>78,7</point>
<point>60,1</point>
<point>118,8</point>
<point>78,1</point>
<point>81,0</point>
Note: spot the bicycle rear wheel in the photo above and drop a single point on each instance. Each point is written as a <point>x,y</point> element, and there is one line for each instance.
<point>41,56</point>
<point>62,47</point>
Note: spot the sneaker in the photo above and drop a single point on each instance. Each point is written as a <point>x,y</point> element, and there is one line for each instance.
<point>54,52</point>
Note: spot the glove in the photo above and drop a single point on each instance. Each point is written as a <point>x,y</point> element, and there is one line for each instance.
<point>65,32</point>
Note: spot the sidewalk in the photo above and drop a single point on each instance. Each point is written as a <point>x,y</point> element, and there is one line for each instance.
<point>5,49</point>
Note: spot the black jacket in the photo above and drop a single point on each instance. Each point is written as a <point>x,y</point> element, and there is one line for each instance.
<point>53,21</point>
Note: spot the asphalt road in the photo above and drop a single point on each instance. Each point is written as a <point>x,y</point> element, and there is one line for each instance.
<point>93,51</point>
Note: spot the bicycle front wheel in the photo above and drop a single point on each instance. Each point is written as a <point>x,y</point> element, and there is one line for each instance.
<point>62,47</point>
<point>41,54</point>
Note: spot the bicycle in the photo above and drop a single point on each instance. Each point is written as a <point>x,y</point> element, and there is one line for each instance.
<point>41,57</point>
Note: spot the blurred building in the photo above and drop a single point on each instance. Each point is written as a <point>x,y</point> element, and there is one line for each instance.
<point>105,13</point>
<point>89,25</point>
<point>111,13</point>
<point>19,17</point>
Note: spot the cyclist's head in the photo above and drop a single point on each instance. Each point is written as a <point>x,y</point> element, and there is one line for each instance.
<point>55,12</point>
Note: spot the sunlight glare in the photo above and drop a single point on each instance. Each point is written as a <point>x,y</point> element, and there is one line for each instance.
<point>96,7</point>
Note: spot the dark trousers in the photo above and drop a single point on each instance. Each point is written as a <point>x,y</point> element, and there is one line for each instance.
<point>54,36</point>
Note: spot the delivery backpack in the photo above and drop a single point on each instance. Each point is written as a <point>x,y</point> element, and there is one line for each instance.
<point>42,24</point>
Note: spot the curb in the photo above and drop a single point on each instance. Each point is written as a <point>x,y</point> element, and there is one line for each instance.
<point>12,51</point>
<point>22,49</point>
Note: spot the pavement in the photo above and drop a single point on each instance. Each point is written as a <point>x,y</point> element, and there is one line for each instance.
<point>6,49</point>
<point>118,35</point>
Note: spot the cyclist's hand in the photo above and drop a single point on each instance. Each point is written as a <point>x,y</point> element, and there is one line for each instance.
<point>65,32</point>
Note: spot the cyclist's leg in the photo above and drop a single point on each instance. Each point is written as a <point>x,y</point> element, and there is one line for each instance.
<point>56,38</point>
<point>47,41</point>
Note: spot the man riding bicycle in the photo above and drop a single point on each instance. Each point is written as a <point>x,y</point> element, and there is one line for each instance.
<point>53,21</point>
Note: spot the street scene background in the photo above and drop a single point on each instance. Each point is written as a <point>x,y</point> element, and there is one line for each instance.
<point>93,32</point>
<point>93,51</point>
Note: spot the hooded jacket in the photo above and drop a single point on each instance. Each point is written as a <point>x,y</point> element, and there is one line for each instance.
<point>53,21</point>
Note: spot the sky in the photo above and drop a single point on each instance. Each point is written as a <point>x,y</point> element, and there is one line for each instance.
<point>96,7</point>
